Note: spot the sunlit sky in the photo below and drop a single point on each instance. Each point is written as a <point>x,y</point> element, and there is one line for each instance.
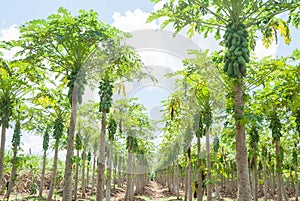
<point>128,15</point>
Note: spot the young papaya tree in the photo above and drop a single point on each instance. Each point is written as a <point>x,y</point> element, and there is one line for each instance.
<point>240,20</point>
<point>16,142</point>
<point>58,132</point>
<point>121,64</point>
<point>16,81</point>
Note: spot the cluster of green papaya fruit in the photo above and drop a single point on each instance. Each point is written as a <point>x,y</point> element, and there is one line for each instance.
<point>112,128</point>
<point>237,50</point>
<point>16,139</point>
<point>58,128</point>
<point>6,106</point>
<point>275,126</point>
<point>79,79</point>
<point>298,121</point>
<point>131,143</point>
<point>105,93</point>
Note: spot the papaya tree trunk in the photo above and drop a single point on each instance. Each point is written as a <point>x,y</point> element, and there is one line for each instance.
<point>2,146</point>
<point>217,193</point>
<point>208,174</point>
<point>109,170</point>
<point>266,185</point>
<point>177,179</point>
<point>244,189</point>
<point>101,161</point>
<point>119,172</point>
<point>189,175</point>
<point>296,182</point>
<point>115,174</point>
<point>129,194</point>
<point>83,174</point>
<point>199,187</point>
<point>278,171</point>
<point>43,174</point>
<point>87,174</point>
<point>53,177</point>
<point>185,180</point>
<point>67,191</point>
<point>93,175</point>
<point>255,177</point>
<point>13,172</point>
<point>76,177</point>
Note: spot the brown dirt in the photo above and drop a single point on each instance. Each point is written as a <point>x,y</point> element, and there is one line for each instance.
<point>156,191</point>
<point>153,190</point>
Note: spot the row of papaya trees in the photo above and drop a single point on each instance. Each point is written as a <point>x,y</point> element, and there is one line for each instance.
<point>202,107</point>
<point>261,98</point>
<point>42,92</point>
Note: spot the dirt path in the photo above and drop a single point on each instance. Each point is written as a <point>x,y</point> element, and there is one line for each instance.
<point>152,191</point>
<point>155,190</point>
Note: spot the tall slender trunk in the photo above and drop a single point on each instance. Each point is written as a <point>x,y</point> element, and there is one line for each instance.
<point>244,189</point>
<point>217,193</point>
<point>67,191</point>
<point>93,175</point>
<point>115,173</point>
<point>76,177</point>
<point>108,181</point>
<point>2,146</point>
<point>13,172</point>
<point>101,162</point>
<point>186,181</point>
<point>188,189</point>
<point>208,174</point>
<point>43,174</point>
<point>199,188</point>
<point>278,171</point>
<point>296,182</point>
<point>119,171</point>
<point>53,177</point>
<point>87,174</point>
<point>273,179</point>
<point>283,191</point>
<point>177,179</point>
<point>83,174</point>
<point>173,178</point>
<point>266,185</point>
<point>129,194</point>
<point>255,177</point>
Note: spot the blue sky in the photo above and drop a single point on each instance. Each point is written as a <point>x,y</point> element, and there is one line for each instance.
<point>18,11</point>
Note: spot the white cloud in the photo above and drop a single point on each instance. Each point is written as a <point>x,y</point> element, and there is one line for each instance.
<point>11,33</point>
<point>159,5</point>
<point>261,51</point>
<point>131,21</point>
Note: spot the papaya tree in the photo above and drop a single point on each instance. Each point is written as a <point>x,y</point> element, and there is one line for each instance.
<point>46,138</point>
<point>58,131</point>
<point>121,64</point>
<point>16,141</point>
<point>240,19</point>
<point>277,88</point>
<point>16,78</point>
<point>87,120</point>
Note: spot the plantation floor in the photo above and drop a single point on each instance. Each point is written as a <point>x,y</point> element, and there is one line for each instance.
<point>153,191</point>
